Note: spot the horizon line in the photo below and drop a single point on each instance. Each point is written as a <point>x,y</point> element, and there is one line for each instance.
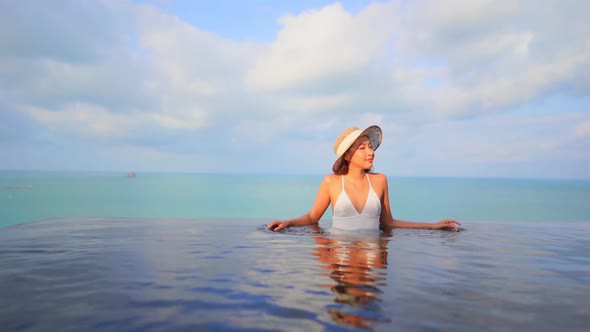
<point>481,177</point>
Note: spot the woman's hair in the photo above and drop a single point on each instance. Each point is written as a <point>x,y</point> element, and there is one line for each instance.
<point>342,168</point>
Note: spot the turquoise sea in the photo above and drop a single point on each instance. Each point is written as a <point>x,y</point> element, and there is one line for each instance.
<point>190,252</point>
<point>29,196</point>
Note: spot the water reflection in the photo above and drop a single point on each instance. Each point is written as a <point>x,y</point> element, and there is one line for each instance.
<point>357,265</point>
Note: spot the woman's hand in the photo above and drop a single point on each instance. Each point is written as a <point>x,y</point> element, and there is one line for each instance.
<point>277,225</point>
<point>448,224</point>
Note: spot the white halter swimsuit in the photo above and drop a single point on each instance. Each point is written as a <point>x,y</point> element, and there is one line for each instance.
<point>346,217</point>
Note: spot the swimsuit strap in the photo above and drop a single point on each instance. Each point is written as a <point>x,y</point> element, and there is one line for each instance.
<point>370,186</point>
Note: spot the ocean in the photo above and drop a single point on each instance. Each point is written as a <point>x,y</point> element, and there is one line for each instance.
<point>29,196</point>
<point>190,252</point>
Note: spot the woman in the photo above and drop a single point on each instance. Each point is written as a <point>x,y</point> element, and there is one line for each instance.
<point>359,198</point>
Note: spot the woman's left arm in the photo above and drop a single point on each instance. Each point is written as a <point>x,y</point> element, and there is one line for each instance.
<point>386,219</point>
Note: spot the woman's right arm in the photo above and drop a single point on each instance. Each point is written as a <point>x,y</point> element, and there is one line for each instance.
<point>322,201</point>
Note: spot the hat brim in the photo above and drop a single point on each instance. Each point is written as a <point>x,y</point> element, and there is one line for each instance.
<point>375,135</point>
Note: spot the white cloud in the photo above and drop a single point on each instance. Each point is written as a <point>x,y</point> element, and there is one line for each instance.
<point>444,59</point>
<point>431,26</point>
<point>94,121</point>
<point>87,120</point>
<point>314,104</point>
<point>440,58</point>
<point>194,119</point>
<point>500,139</point>
<point>497,54</point>
<point>197,74</point>
<point>582,130</point>
<point>322,44</point>
<point>409,66</point>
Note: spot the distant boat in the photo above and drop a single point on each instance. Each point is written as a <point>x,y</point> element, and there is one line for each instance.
<point>131,175</point>
<point>17,187</point>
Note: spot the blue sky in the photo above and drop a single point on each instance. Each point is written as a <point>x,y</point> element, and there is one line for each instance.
<point>461,88</point>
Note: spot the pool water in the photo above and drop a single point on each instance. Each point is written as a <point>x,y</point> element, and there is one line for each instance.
<point>137,274</point>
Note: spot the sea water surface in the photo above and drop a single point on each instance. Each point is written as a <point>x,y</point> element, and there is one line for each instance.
<point>185,252</point>
<point>135,274</point>
<point>28,196</point>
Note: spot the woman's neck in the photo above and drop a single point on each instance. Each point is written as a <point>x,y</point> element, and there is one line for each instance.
<point>356,173</point>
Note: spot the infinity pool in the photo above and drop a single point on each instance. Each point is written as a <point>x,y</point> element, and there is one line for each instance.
<point>109,274</point>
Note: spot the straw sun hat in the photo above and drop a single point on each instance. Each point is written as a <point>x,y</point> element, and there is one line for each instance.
<point>347,138</point>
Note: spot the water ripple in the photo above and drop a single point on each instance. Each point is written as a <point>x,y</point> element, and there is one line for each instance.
<point>103,274</point>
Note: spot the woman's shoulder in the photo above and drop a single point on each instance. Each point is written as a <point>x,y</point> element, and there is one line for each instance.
<point>331,178</point>
<point>378,177</point>
<point>331,181</point>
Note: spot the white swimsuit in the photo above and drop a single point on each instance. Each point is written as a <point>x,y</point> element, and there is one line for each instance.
<point>346,217</point>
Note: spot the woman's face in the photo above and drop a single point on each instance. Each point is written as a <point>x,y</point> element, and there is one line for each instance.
<point>363,154</point>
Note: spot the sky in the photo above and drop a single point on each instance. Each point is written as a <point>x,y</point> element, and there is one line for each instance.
<point>477,88</point>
